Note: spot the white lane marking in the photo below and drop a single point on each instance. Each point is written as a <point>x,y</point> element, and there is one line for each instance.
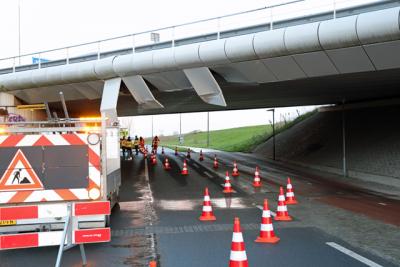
<point>146,174</point>
<point>208,174</point>
<point>381,203</point>
<point>262,208</point>
<point>353,255</point>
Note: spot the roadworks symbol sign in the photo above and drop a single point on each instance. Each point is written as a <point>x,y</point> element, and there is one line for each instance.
<point>20,175</point>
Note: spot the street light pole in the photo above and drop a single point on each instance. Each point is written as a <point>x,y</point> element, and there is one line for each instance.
<point>273,133</point>
<point>180,128</point>
<point>208,129</point>
<point>344,141</point>
<point>152,128</point>
<point>19,32</point>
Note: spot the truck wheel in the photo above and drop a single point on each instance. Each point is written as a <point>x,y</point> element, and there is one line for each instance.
<point>108,220</point>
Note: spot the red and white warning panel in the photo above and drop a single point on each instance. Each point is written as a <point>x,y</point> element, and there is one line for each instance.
<point>53,238</point>
<point>43,168</point>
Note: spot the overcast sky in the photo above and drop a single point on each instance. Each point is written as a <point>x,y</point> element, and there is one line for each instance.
<point>49,24</point>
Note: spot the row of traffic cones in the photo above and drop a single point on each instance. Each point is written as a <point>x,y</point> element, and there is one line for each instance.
<point>238,256</point>
<point>290,198</point>
<point>281,213</point>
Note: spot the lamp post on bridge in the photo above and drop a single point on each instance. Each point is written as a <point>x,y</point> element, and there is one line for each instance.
<point>273,132</point>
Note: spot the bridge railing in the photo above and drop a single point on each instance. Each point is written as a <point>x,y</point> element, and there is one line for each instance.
<point>261,19</point>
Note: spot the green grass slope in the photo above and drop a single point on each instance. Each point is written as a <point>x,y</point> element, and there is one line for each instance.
<point>243,139</point>
<point>236,139</point>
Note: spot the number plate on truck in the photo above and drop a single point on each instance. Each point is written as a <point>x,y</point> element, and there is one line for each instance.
<point>8,222</point>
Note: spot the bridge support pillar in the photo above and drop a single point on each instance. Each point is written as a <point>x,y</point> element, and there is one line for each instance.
<point>205,85</point>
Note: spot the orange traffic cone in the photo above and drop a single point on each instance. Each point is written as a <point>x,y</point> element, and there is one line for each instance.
<point>201,157</point>
<point>227,185</point>
<point>290,199</point>
<point>215,166</point>
<point>282,213</point>
<point>176,151</point>
<point>167,167</point>
<point>235,171</point>
<point>257,179</point>
<point>153,264</point>
<point>184,169</point>
<point>207,214</point>
<point>267,234</point>
<point>238,257</point>
<point>162,150</point>
<point>188,153</point>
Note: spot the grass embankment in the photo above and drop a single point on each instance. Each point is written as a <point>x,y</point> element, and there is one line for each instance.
<point>243,139</point>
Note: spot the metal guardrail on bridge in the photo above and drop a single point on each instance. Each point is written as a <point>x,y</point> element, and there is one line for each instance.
<point>251,21</point>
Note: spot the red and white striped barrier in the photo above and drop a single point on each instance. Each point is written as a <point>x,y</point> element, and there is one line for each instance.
<point>53,238</point>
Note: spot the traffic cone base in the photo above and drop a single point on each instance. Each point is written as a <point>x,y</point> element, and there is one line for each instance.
<point>272,239</point>
<point>291,202</point>
<point>238,264</point>
<point>228,190</point>
<point>257,182</point>
<point>283,218</point>
<point>207,218</point>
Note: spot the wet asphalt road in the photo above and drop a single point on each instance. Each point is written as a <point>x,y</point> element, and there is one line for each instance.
<point>157,218</point>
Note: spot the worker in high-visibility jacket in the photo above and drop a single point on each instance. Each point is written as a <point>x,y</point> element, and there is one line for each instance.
<point>123,146</point>
<point>136,145</point>
<point>129,146</point>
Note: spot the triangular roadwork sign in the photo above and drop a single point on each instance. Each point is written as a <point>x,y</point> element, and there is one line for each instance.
<point>20,175</point>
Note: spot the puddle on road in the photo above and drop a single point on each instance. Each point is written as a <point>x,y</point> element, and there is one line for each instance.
<point>185,205</point>
<point>141,249</point>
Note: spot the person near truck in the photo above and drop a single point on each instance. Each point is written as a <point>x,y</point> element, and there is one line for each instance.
<point>123,146</point>
<point>136,145</point>
<point>129,146</point>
